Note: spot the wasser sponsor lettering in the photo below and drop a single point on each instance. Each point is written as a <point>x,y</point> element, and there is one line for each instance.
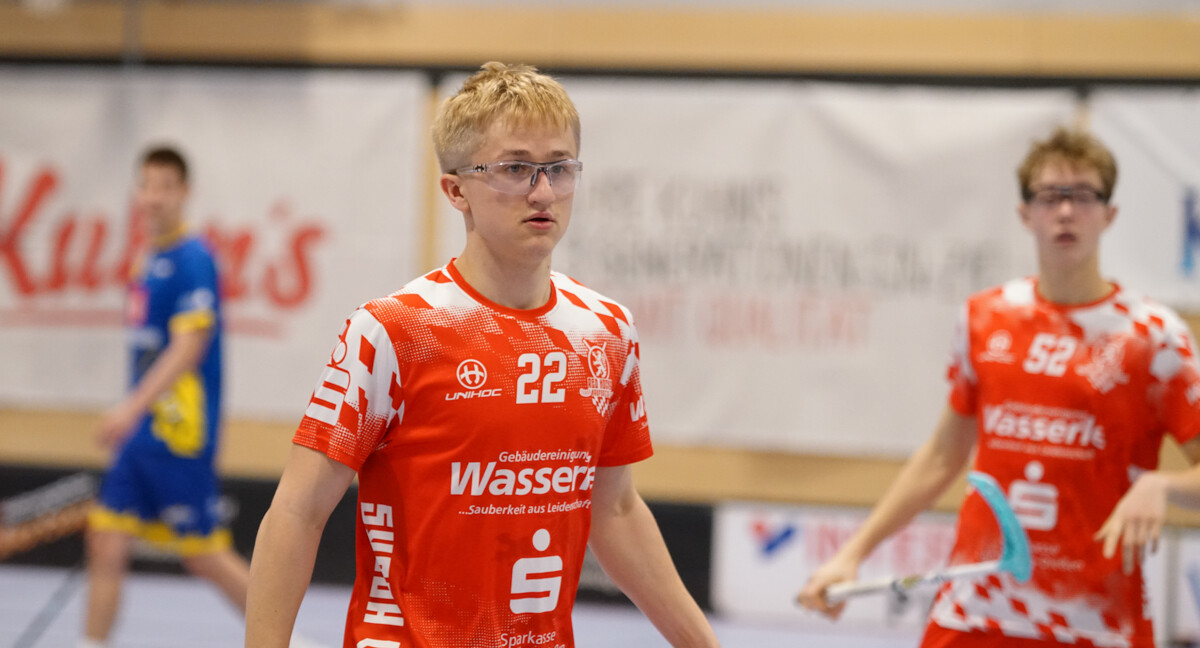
<point>1010,422</point>
<point>479,478</point>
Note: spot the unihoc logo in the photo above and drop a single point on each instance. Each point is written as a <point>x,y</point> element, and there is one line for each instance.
<point>536,594</point>
<point>772,538</point>
<point>1191,232</point>
<point>471,374</point>
<point>999,345</point>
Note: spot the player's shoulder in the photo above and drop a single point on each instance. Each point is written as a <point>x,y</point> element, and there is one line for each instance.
<point>195,246</point>
<point>1020,292</point>
<point>574,294</point>
<point>421,297</point>
<point>193,253</point>
<point>1149,313</point>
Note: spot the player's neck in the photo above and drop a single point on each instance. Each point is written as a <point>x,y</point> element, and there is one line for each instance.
<point>513,285</point>
<point>1078,285</point>
<point>168,235</point>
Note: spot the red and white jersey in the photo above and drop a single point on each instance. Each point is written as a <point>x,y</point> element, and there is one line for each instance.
<point>1072,403</point>
<point>476,431</point>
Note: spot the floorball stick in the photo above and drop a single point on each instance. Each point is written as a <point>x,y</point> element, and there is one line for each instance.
<point>45,513</point>
<point>1014,559</point>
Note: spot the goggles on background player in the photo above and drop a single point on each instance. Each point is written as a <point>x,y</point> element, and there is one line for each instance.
<point>519,178</point>
<point>1081,196</point>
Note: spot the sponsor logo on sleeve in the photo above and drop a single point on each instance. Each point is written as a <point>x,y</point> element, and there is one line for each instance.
<point>327,399</point>
<point>382,608</point>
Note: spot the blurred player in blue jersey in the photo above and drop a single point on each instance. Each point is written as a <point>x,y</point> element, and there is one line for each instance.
<point>161,486</point>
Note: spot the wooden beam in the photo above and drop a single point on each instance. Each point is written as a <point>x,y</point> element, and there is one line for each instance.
<point>83,30</point>
<point>258,450</point>
<point>665,38</point>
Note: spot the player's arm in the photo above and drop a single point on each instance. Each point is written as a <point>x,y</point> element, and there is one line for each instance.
<point>1137,520</point>
<point>926,475</point>
<point>626,540</point>
<point>183,353</point>
<point>281,568</point>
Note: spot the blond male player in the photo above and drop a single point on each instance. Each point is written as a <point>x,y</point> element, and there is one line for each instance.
<point>1066,383</point>
<point>490,408</point>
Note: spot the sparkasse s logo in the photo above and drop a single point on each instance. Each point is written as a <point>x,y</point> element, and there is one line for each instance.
<point>471,374</point>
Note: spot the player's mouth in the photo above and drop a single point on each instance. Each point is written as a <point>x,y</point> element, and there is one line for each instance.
<point>541,219</point>
<point>1065,238</point>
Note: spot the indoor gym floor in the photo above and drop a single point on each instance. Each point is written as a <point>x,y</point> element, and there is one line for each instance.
<point>169,611</point>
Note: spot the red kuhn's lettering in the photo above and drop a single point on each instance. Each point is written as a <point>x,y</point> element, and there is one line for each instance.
<point>88,253</point>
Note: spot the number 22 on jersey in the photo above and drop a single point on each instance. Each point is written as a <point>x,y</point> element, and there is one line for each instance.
<point>555,364</point>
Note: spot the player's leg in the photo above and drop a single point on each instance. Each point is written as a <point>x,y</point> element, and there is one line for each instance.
<point>108,542</point>
<point>225,569</point>
<point>107,564</point>
<point>190,498</point>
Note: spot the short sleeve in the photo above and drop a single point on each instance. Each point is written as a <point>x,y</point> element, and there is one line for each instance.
<point>960,372</point>
<point>195,305</point>
<point>357,397</point>
<point>627,436</point>
<point>1175,366</point>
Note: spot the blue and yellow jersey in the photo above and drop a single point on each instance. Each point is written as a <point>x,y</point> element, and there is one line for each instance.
<point>176,290</point>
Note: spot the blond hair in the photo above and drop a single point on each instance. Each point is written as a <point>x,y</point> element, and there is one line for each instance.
<point>1077,149</point>
<point>517,94</point>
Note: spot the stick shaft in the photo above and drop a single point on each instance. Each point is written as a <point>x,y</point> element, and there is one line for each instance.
<point>839,592</point>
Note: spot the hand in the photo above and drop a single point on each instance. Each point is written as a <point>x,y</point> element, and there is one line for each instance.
<point>116,424</point>
<point>1136,521</point>
<point>813,594</point>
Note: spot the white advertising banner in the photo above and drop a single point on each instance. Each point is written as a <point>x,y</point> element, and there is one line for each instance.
<point>764,553</point>
<point>1154,245</point>
<point>1185,593</point>
<point>794,253</point>
<point>307,182</point>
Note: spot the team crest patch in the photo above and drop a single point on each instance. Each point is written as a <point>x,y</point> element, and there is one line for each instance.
<point>599,382</point>
<point>1105,370</point>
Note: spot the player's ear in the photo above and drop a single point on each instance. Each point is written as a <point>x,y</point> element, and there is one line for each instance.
<point>1023,213</point>
<point>451,186</point>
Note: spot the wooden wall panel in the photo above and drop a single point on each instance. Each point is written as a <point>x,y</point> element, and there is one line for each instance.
<point>668,38</point>
<point>94,30</point>
<point>258,450</point>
